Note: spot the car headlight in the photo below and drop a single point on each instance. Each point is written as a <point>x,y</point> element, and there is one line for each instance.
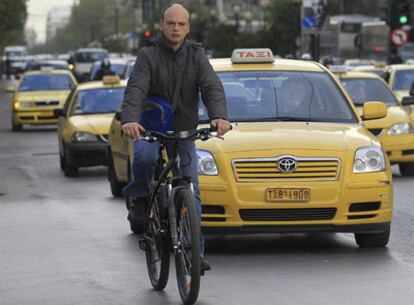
<point>17,104</point>
<point>206,164</point>
<point>400,128</point>
<point>82,136</point>
<point>368,160</point>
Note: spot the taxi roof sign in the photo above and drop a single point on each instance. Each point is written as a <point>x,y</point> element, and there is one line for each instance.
<point>338,69</point>
<point>242,56</point>
<point>111,80</point>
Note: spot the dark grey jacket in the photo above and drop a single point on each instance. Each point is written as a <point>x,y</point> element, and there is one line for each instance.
<point>156,71</point>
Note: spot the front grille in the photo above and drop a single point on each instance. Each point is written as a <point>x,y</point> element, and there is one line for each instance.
<point>364,206</point>
<point>361,216</point>
<point>46,117</point>
<point>266,169</point>
<point>375,131</point>
<point>287,214</point>
<point>408,152</point>
<point>212,209</point>
<point>46,103</point>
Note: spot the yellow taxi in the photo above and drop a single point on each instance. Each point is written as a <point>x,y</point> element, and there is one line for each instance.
<point>37,95</point>
<point>375,67</point>
<point>396,130</point>
<point>298,159</point>
<point>400,79</point>
<point>84,122</point>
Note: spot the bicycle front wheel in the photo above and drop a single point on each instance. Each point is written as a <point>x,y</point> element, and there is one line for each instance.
<point>187,258</point>
<point>157,255</point>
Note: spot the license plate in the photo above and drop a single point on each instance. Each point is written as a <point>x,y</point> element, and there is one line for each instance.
<point>47,113</point>
<point>288,195</point>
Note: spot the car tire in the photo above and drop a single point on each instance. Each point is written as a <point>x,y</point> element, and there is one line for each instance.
<point>372,240</point>
<point>406,169</point>
<point>116,186</point>
<point>69,170</point>
<point>16,127</point>
<point>61,161</point>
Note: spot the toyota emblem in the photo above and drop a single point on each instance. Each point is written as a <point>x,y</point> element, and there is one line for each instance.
<point>287,165</point>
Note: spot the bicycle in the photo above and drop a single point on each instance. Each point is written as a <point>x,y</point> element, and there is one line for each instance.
<point>172,221</point>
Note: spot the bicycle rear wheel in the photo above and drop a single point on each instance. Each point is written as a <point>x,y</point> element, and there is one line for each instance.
<point>187,258</point>
<point>157,253</point>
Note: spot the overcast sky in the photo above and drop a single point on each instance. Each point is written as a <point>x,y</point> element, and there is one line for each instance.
<point>37,12</point>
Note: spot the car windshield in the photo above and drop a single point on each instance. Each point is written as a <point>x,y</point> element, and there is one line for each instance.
<point>90,56</point>
<point>378,72</point>
<point>283,96</point>
<point>403,80</point>
<point>102,100</point>
<point>118,69</point>
<point>42,82</point>
<point>364,90</point>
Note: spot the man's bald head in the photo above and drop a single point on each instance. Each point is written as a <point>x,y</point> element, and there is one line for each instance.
<point>174,7</point>
<point>175,25</point>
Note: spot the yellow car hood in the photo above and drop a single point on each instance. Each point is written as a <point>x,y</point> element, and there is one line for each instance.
<point>32,96</point>
<point>395,114</point>
<point>291,135</point>
<point>94,123</point>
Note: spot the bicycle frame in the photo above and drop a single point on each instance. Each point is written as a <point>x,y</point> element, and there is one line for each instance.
<point>172,165</point>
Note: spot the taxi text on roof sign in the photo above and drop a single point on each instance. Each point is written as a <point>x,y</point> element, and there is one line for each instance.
<point>338,69</point>
<point>252,56</point>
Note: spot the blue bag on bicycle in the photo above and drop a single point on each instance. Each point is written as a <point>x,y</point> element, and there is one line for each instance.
<point>157,114</point>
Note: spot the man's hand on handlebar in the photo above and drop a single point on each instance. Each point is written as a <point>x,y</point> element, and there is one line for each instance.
<point>221,125</point>
<point>132,130</point>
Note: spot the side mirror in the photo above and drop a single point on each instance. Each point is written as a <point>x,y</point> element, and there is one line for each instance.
<point>118,115</point>
<point>408,100</point>
<point>58,112</point>
<point>10,89</point>
<point>374,110</point>
<point>412,89</point>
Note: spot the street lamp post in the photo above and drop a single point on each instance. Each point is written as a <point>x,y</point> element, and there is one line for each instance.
<point>248,16</point>
<point>236,10</point>
<point>264,4</point>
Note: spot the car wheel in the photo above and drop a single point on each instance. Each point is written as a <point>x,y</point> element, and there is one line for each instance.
<point>69,169</point>
<point>61,160</point>
<point>116,186</point>
<point>16,127</point>
<point>371,240</point>
<point>406,169</point>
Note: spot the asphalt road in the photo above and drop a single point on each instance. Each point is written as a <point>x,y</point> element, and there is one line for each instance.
<point>67,241</point>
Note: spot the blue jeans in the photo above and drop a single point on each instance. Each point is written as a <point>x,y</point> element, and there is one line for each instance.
<point>145,160</point>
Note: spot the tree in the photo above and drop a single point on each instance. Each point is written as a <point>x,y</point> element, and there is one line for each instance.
<point>283,28</point>
<point>13,17</point>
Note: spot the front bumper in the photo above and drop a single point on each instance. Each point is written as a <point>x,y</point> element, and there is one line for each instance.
<point>87,154</point>
<point>44,117</point>
<point>330,228</point>
<point>360,206</point>
<point>399,148</point>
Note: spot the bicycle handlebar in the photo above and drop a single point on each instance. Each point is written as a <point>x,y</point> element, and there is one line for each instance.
<point>202,134</point>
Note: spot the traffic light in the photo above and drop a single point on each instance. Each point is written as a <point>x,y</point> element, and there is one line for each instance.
<point>404,12</point>
<point>147,35</point>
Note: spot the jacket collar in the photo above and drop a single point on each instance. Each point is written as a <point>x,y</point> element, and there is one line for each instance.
<point>161,41</point>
